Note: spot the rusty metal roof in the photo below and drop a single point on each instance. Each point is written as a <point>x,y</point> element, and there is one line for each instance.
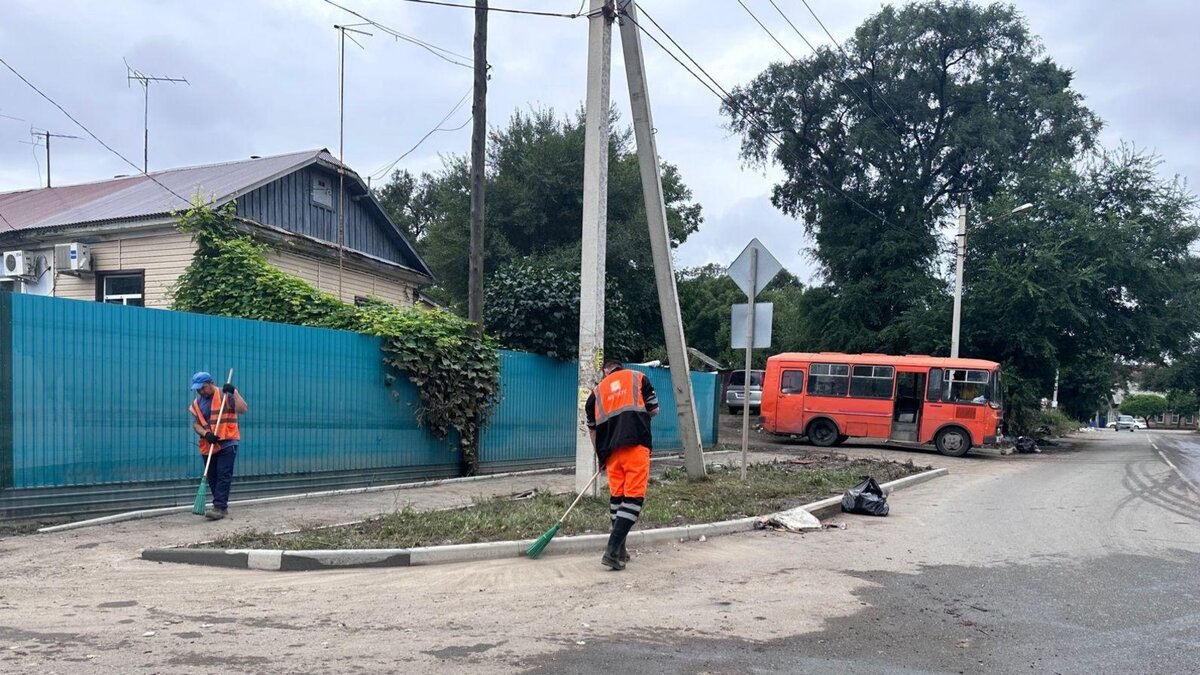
<point>140,197</point>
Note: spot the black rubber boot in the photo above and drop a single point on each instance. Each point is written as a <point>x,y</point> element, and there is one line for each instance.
<point>623,554</point>
<point>616,542</point>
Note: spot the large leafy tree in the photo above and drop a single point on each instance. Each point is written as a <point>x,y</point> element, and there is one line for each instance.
<point>930,104</point>
<point>535,211</point>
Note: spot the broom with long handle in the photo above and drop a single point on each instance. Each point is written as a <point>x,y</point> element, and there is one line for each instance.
<point>198,506</point>
<point>543,541</point>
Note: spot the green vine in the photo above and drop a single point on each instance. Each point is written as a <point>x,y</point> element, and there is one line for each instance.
<point>456,369</point>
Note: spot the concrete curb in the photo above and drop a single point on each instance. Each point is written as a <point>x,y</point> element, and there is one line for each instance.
<point>286,561</point>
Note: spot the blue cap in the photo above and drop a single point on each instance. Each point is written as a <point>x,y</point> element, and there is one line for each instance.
<point>200,379</point>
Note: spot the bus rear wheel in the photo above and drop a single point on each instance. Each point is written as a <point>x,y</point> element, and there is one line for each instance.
<point>822,433</point>
<point>953,442</point>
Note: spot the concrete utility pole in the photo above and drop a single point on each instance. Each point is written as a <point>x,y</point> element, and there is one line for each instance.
<point>660,243</point>
<point>961,239</point>
<point>478,148</point>
<point>595,227</point>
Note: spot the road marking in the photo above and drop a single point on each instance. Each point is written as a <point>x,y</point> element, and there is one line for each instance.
<point>1178,472</point>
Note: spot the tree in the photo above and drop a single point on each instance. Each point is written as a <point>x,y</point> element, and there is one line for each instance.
<point>1143,405</point>
<point>535,308</point>
<point>535,211</point>
<point>932,104</point>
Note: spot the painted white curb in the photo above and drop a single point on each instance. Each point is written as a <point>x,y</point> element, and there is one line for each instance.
<point>457,553</point>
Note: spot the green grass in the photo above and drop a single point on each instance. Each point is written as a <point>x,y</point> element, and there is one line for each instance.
<point>671,500</point>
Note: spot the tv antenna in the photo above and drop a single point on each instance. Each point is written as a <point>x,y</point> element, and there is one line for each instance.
<point>42,136</point>
<point>145,80</point>
<point>344,32</point>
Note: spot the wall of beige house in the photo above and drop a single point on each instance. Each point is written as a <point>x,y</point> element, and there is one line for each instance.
<point>356,283</point>
<point>161,257</point>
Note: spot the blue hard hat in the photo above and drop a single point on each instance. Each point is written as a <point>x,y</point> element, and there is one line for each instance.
<point>200,379</point>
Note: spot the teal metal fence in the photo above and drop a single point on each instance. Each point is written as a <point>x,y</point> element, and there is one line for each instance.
<point>94,397</point>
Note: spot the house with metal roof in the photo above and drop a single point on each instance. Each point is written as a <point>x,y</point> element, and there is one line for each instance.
<point>116,240</point>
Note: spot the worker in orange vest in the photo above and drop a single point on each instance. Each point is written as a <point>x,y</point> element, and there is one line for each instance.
<point>222,440</point>
<point>618,417</point>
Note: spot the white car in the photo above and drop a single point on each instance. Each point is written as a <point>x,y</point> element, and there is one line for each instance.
<point>1122,423</point>
<point>1140,422</point>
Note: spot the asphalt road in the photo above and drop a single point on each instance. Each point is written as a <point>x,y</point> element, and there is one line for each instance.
<point>1086,562</point>
<point>1079,561</point>
<point>1181,450</point>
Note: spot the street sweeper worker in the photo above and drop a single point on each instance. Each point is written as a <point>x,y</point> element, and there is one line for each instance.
<point>618,417</point>
<point>221,440</point>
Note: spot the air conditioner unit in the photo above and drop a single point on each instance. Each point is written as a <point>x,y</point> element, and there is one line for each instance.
<point>19,265</point>
<point>73,258</point>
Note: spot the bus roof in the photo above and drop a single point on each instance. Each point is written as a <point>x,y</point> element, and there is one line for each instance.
<point>920,360</point>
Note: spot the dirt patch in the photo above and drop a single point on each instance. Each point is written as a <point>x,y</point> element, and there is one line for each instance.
<point>672,500</point>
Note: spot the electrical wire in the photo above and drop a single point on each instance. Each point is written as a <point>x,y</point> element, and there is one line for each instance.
<point>758,124</point>
<point>845,56</point>
<point>767,31</point>
<point>383,172</point>
<point>505,10</point>
<point>96,138</point>
<point>440,52</point>
<point>890,126</point>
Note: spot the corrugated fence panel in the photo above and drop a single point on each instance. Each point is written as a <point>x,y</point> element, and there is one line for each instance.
<point>101,396</point>
<point>534,422</point>
<point>666,426</point>
<point>94,408</point>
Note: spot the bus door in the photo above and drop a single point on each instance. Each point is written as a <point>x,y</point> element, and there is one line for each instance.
<point>909,407</point>
<point>789,411</point>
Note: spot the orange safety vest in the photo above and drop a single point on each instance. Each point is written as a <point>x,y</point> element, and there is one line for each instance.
<point>618,393</point>
<point>229,421</point>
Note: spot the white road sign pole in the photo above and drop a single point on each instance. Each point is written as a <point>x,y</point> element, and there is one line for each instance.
<point>749,355</point>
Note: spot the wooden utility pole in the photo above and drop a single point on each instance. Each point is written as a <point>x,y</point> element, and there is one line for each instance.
<point>478,152</point>
<point>595,227</point>
<point>660,243</point>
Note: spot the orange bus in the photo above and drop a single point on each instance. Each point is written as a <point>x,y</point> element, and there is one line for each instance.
<point>952,404</point>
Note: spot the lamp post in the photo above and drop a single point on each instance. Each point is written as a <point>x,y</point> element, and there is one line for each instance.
<point>961,238</point>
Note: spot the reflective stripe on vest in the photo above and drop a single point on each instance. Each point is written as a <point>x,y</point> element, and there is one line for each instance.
<point>229,430</point>
<point>618,393</point>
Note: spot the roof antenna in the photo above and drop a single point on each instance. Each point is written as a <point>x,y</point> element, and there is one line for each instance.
<point>40,135</point>
<point>132,74</point>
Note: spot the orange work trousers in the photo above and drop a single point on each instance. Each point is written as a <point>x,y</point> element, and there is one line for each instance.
<point>628,471</point>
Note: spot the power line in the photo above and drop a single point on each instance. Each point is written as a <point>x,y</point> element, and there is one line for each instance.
<point>845,86</point>
<point>440,52</point>
<point>89,132</point>
<point>767,31</point>
<point>846,56</point>
<point>504,10</point>
<point>758,124</point>
<point>382,172</point>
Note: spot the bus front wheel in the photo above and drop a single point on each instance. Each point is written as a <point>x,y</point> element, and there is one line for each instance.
<point>822,433</point>
<point>953,442</point>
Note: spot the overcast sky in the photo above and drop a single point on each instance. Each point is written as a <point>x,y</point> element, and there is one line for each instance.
<point>264,81</point>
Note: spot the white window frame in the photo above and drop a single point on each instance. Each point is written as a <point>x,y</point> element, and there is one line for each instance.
<point>122,298</point>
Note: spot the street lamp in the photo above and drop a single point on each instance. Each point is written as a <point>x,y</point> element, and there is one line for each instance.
<point>958,272</point>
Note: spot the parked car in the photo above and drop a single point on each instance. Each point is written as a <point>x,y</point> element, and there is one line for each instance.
<point>734,392</point>
<point>1140,422</point>
<point>1124,422</point>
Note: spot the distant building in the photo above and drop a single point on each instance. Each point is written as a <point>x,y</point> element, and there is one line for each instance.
<point>134,253</point>
<point>1172,419</point>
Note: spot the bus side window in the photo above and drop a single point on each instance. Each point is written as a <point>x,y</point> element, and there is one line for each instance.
<point>935,385</point>
<point>791,382</point>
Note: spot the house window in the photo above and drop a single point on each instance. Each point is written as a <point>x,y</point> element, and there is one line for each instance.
<point>1175,419</point>
<point>7,286</point>
<point>122,288</point>
<point>322,191</point>
<point>1189,420</point>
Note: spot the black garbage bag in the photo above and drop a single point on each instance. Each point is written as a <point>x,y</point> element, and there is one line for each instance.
<point>1025,445</point>
<point>866,498</point>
